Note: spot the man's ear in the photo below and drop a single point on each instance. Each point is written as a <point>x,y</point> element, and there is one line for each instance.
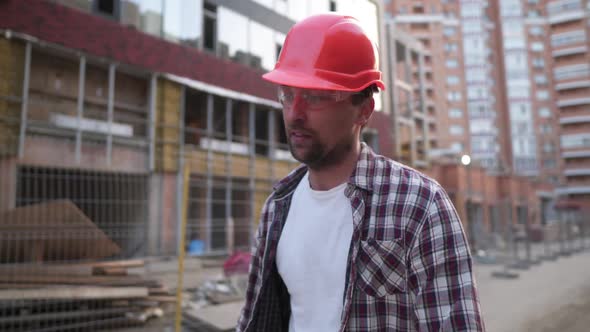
<point>366,110</point>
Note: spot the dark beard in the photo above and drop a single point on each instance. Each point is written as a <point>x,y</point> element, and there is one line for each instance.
<point>318,158</point>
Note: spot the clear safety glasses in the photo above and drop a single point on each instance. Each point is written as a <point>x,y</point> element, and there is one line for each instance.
<point>314,99</point>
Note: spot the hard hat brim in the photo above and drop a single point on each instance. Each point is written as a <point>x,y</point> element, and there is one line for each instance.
<point>305,81</point>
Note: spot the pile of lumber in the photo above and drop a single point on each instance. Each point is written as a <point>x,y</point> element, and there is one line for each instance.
<point>82,296</point>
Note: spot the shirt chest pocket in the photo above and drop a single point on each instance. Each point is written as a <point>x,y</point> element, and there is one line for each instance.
<point>381,268</point>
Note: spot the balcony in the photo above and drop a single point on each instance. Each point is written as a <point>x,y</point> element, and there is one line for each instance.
<point>564,10</point>
<point>566,17</point>
<point>573,190</point>
<point>576,154</point>
<point>577,172</point>
<point>572,85</point>
<point>575,119</point>
<point>574,102</point>
<point>570,51</point>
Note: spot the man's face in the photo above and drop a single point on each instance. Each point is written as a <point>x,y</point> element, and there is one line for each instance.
<point>321,126</point>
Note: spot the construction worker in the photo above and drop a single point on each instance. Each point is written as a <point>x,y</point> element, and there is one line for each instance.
<point>351,240</point>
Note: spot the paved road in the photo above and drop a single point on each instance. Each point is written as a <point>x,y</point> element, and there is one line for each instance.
<point>552,296</point>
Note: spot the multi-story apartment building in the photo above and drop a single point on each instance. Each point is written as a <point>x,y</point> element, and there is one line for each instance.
<point>492,97</point>
<point>569,33</point>
<point>107,103</point>
<point>412,114</point>
<point>485,121</point>
<point>437,26</point>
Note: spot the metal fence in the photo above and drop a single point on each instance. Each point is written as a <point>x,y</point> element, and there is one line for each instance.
<point>119,187</point>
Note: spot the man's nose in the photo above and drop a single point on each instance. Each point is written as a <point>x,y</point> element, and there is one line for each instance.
<point>298,109</point>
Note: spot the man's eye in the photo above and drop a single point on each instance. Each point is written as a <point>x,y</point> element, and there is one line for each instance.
<point>317,99</point>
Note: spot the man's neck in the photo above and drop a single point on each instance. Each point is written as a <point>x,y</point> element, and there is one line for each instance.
<point>331,176</point>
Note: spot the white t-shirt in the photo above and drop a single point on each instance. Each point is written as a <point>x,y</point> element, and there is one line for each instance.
<point>312,254</point>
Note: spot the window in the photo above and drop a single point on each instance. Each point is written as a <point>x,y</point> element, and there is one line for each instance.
<point>108,8</point>
<point>182,20</point>
<point>549,163</point>
<point>452,63</point>
<point>546,129</point>
<point>514,43</point>
<point>457,147</point>
<point>452,80</point>
<point>454,96</point>
<point>456,130</point>
<point>449,31</point>
<point>332,5</point>
<point>518,92</point>
<point>536,30</point>
<point>548,147</point>
<point>541,79</point>
<point>544,112</point>
<point>455,113</point>
<point>232,36</point>
<point>261,43</point>
<point>538,63</point>
<point>533,13</point>
<point>542,95</point>
<point>210,27</point>
<point>475,93</point>
<point>451,47</point>
<point>537,46</point>
<point>148,16</point>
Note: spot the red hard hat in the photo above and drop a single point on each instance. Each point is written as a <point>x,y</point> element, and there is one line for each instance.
<point>327,52</point>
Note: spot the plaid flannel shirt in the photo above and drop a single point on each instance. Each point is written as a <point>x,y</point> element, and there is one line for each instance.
<point>409,266</point>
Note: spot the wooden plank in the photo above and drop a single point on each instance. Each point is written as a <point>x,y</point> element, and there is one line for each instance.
<point>121,263</point>
<point>46,269</point>
<point>73,293</point>
<point>68,315</point>
<point>130,280</point>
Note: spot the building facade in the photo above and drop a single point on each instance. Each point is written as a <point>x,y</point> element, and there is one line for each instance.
<point>110,104</point>
<point>437,26</point>
<point>569,31</point>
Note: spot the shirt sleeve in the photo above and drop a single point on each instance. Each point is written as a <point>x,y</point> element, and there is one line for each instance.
<point>441,277</point>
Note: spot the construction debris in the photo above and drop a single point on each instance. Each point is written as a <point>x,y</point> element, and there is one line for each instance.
<point>40,291</point>
<point>216,305</point>
<point>62,300</point>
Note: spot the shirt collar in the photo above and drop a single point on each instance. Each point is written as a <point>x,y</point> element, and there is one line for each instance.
<point>361,177</point>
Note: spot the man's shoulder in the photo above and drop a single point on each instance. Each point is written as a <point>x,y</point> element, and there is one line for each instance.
<point>389,172</point>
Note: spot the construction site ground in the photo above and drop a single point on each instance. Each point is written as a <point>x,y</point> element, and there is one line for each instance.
<point>549,296</point>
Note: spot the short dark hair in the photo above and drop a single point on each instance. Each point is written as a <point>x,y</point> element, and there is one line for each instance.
<point>366,93</point>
